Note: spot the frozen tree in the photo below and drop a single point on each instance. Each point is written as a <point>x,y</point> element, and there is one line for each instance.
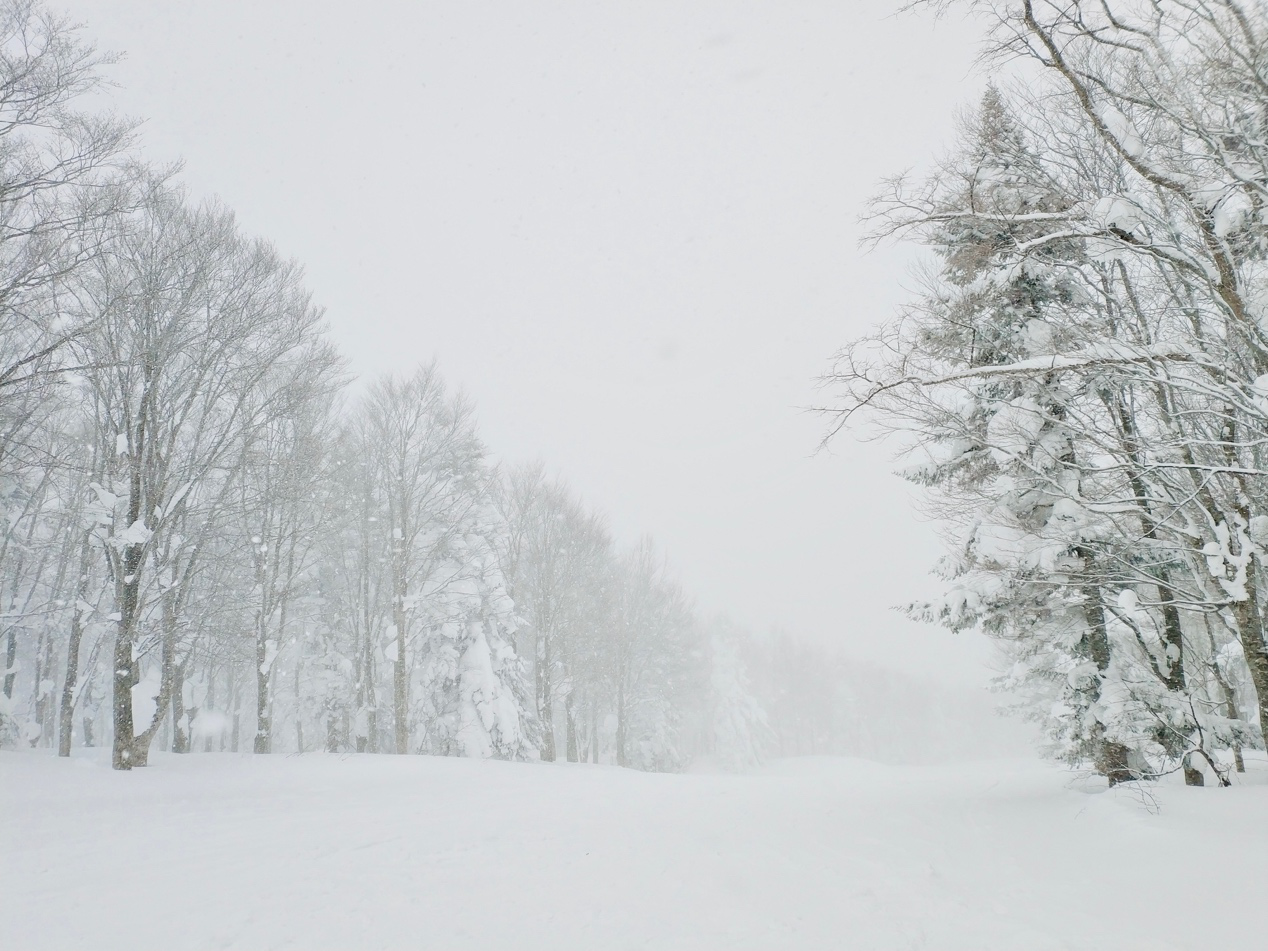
<point>558,561</point>
<point>280,501</point>
<point>739,729</point>
<point>654,661</point>
<point>55,159</point>
<point>200,540</point>
<point>423,580</point>
<point>190,325</point>
<point>1143,124</point>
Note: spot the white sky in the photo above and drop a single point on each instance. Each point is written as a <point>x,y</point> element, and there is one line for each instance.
<point>628,230</point>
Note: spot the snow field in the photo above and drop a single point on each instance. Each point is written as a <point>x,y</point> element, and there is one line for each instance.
<point>243,852</point>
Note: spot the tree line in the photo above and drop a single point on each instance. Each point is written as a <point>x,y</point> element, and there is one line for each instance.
<point>211,542</point>
<point>1081,383</point>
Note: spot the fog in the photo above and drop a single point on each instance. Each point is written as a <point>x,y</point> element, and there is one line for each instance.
<point>629,232</point>
<point>633,474</point>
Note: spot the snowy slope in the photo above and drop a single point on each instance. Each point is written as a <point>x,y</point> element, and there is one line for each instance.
<point>309,852</point>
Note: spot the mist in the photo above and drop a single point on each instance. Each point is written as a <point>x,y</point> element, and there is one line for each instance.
<point>660,475</point>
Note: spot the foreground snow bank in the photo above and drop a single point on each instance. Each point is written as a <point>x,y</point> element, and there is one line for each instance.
<point>219,851</point>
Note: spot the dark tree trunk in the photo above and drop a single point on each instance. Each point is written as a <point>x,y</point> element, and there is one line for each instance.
<point>1109,758</point>
<point>127,589</point>
<point>66,722</point>
<point>10,658</point>
<point>1112,761</point>
<point>123,679</point>
<point>1192,775</point>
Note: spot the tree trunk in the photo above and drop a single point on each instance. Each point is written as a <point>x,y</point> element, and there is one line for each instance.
<point>400,689</point>
<point>38,696</point>
<point>545,700</point>
<point>1109,758</point>
<point>571,717</point>
<point>180,736</point>
<point>124,678</point>
<point>1112,760</point>
<point>620,725</point>
<point>299,719</point>
<point>594,732</point>
<point>333,733</point>
<point>234,702</point>
<point>367,697</point>
<point>66,722</point>
<point>210,704</point>
<point>10,659</point>
<point>263,716</point>
<point>168,671</point>
<point>1192,775</point>
<point>1250,630</point>
<point>165,734</point>
<point>127,594</point>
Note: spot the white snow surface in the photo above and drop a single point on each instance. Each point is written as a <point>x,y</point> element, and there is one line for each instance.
<point>322,851</point>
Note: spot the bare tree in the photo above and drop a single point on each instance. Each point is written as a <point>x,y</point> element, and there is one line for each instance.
<point>558,559</point>
<point>189,322</point>
<point>54,163</point>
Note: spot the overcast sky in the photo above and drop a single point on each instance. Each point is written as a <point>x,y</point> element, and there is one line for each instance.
<point>627,230</point>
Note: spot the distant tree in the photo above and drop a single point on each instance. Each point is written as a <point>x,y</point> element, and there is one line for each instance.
<point>441,605</point>
<point>557,558</point>
<point>654,661</point>
<point>740,734</point>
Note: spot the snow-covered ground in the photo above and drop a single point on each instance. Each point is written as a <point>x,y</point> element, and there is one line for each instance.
<point>220,851</point>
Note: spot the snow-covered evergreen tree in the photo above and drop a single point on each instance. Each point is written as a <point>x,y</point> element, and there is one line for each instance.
<point>1028,423</point>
